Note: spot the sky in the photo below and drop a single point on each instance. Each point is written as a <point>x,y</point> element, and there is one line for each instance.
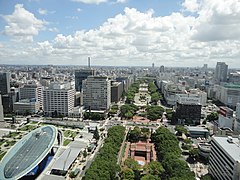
<point>173,33</point>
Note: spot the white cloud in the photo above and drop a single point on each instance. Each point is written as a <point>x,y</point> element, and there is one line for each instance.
<point>141,38</point>
<point>191,5</point>
<point>218,21</point>
<point>54,29</point>
<point>72,17</point>
<point>22,25</point>
<point>90,1</point>
<point>79,10</point>
<point>121,1</point>
<point>42,11</point>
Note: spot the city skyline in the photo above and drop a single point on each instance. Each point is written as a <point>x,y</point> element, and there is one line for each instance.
<point>120,32</point>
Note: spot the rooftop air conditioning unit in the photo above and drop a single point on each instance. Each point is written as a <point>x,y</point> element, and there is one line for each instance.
<point>230,139</point>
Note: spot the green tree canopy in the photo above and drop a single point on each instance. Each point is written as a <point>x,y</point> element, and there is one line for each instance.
<point>154,168</point>
<point>105,165</point>
<point>180,129</point>
<point>212,117</point>
<point>128,110</point>
<point>127,174</point>
<point>134,135</point>
<point>96,134</point>
<point>150,177</point>
<point>132,164</point>
<point>154,112</point>
<point>168,152</point>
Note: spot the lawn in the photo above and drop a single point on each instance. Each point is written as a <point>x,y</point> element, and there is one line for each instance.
<point>28,128</point>
<point>2,154</point>
<point>2,141</point>
<point>12,134</point>
<point>9,143</point>
<point>66,142</point>
<point>33,122</point>
<point>67,133</point>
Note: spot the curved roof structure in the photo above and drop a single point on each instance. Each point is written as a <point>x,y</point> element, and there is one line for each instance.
<point>27,153</point>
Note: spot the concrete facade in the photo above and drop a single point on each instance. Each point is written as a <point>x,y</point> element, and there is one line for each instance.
<point>224,158</point>
<point>60,100</point>
<point>97,93</point>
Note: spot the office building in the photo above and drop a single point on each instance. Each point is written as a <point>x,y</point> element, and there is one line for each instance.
<point>26,106</point>
<point>58,99</point>
<point>224,159</point>
<point>188,113</point>
<point>1,109</point>
<point>30,91</point>
<point>97,93</point>
<point>9,99</point>
<point>221,72</point>
<point>116,91</point>
<point>81,75</point>
<point>4,83</point>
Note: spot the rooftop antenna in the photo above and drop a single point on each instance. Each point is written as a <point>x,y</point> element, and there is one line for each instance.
<point>89,61</point>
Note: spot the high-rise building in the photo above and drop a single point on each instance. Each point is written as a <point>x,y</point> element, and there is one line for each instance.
<point>116,91</point>
<point>97,93</point>
<point>81,75</point>
<point>153,66</point>
<point>4,83</point>
<point>221,72</point>
<point>58,100</point>
<point>188,110</point>
<point>1,109</point>
<point>32,91</point>
<point>224,159</point>
<point>161,69</point>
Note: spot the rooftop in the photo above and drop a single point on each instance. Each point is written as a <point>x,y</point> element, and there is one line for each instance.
<point>232,149</point>
<point>234,86</point>
<point>193,128</point>
<point>27,153</point>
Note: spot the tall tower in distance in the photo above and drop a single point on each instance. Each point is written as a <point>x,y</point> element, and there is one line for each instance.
<point>89,62</point>
<point>161,69</point>
<point>153,65</point>
<point>82,74</point>
<point>221,72</point>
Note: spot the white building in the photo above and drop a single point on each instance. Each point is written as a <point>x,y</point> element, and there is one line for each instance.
<point>97,93</point>
<point>170,90</point>
<point>26,106</point>
<point>30,91</point>
<point>229,94</point>
<point>224,160</point>
<point>59,99</point>
<point>187,99</point>
<point>201,94</point>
